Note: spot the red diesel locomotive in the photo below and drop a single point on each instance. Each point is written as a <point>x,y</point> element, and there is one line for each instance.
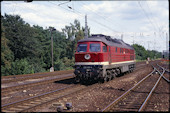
<point>102,58</point>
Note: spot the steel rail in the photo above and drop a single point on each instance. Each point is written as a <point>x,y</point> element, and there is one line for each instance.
<point>76,89</point>
<point>34,74</point>
<point>166,79</point>
<point>146,100</point>
<point>164,76</point>
<point>53,99</point>
<point>25,85</point>
<point>10,104</point>
<point>167,70</point>
<point>6,107</point>
<point>124,94</point>
<point>14,78</point>
<point>164,68</point>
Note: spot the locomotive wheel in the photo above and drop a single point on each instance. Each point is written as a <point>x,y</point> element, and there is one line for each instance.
<point>101,81</point>
<point>104,79</point>
<point>77,80</point>
<point>118,71</point>
<point>130,70</point>
<point>116,74</point>
<point>83,81</point>
<point>108,76</point>
<point>113,75</point>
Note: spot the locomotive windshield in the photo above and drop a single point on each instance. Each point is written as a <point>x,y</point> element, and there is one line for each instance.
<point>82,48</point>
<point>94,47</point>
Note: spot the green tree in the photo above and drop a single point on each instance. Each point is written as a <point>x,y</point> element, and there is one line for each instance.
<point>25,46</point>
<point>6,54</point>
<point>21,67</point>
<point>20,34</point>
<point>74,32</point>
<point>143,54</point>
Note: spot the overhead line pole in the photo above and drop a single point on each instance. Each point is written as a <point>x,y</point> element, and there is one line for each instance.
<point>86,28</point>
<point>52,64</point>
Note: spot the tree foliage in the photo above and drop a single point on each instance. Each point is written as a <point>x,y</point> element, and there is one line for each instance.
<point>6,54</point>
<point>25,46</point>
<point>142,54</point>
<point>21,67</point>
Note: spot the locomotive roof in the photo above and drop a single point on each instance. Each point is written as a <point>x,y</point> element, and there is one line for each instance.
<point>107,40</point>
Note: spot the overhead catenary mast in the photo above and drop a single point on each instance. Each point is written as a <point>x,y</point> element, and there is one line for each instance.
<point>121,36</point>
<point>167,42</point>
<point>86,28</point>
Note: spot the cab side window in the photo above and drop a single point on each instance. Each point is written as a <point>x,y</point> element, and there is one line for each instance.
<point>104,48</point>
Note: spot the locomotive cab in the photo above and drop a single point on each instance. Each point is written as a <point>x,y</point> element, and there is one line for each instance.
<point>91,51</point>
<point>89,59</point>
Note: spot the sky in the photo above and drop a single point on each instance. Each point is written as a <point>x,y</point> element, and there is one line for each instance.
<point>143,22</point>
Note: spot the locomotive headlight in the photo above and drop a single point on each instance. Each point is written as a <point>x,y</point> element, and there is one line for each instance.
<point>87,56</point>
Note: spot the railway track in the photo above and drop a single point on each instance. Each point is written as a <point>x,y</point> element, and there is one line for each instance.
<point>34,83</point>
<point>27,104</point>
<point>136,98</point>
<point>159,100</point>
<point>166,75</point>
<point>16,78</point>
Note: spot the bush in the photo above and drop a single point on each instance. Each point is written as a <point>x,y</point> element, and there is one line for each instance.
<point>21,67</point>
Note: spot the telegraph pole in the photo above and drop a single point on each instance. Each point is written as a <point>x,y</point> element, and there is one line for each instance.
<point>167,46</point>
<point>52,68</point>
<point>167,42</point>
<point>86,28</point>
<point>154,40</point>
<point>148,44</point>
<point>52,52</point>
<point>134,36</point>
<point>121,36</point>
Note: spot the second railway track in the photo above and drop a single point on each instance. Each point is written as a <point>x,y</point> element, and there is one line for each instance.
<point>27,104</point>
<point>136,98</point>
<point>15,78</point>
<point>30,84</point>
